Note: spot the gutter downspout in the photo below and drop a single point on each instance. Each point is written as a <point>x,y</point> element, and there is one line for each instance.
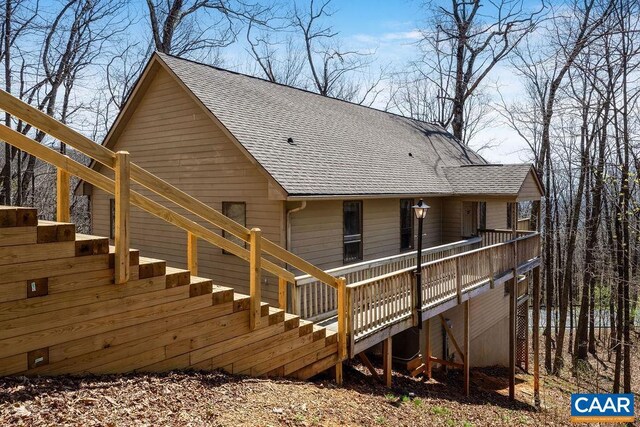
<point>303,205</point>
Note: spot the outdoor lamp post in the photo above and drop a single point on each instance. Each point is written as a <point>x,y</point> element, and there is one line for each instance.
<point>421,213</point>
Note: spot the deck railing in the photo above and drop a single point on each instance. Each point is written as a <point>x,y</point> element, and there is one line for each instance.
<point>314,300</point>
<point>493,236</point>
<point>387,299</point>
<point>524,223</point>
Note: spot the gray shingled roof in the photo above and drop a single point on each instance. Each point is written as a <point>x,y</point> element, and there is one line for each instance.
<point>338,148</point>
<point>487,179</point>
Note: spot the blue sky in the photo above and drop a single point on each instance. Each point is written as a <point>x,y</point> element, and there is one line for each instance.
<point>390,27</point>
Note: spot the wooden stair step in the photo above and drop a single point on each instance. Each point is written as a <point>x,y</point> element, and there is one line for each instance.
<point>331,337</point>
<point>276,316</point>
<point>151,267</point>
<point>291,321</point>
<point>319,333</point>
<point>134,257</point>
<point>264,309</point>
<point>91,245</point>
<point>305,327</point>
<point>51,231</point>
<point>177,277</point>
<point>240,302</point>
<point>200,286</point>
<point>221,295</point>
<point>15,216</point>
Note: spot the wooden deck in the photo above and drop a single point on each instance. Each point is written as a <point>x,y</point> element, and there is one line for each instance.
<point>384,306</point>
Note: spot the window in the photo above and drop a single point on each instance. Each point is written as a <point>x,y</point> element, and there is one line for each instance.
<point>112,218</point>
<point>482,213</point>
<point>352,231</point>
<point>237,211</point>
<point>510,218</point>
<point>406,224</point>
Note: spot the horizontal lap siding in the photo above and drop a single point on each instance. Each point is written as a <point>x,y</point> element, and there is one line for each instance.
<point>451,220</point>
<point>172,137</point>
<point>529,189</point>
<point>488,329</point>
<point>317,230</point>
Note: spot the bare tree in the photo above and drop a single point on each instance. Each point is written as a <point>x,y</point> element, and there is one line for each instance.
<point>19,17</point>
<point>472,45</point>
<point>334,71</point>
<point>182,27</point>
<point>279,61</point>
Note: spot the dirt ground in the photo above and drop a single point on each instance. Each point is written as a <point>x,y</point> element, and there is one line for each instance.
<point>217,399</point>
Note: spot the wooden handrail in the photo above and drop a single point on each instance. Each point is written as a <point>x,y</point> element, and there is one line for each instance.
<point>106,184</point>
<point>103,155</point>
<point>440,260</point>
<point>367,265</point>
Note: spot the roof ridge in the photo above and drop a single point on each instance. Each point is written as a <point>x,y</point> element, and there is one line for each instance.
<point>226,70</point>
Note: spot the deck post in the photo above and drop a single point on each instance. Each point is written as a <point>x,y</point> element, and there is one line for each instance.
<point>512,336</point>
<point>342,318</point>
<point>338,369</point>
<point>255,271</point>
<point>122,199</point>
<point>192,253</point>
<point>282,293</point>
<point>387,358</point>
<point>513,304</point>
<point>343,326</point>
<point>536,337</point>
<point>426,353</point>
<point>63,212</point>
<point>467,363</point>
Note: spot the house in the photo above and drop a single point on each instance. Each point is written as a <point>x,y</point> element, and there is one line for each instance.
<point>331,181</point>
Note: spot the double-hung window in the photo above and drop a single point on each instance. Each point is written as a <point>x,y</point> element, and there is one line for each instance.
<point>237,211</point>
<point>352,231</point>
<point>406,224</point>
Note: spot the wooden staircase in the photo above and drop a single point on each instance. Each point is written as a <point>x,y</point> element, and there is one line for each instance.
<point>61,313</point>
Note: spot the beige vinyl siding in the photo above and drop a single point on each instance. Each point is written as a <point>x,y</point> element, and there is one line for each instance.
<point>496,214</point>
<point>451,220</point>
<point>316,231</point>
<point>172,137</point>
<point>529,189</point>
<point>488,329</point>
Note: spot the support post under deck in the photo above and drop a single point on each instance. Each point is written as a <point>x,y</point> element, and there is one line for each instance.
<point>512,337</point>
<point>536,337</point>
<point>387,358</point>
<point>467,363</point>
<point>426,352</point>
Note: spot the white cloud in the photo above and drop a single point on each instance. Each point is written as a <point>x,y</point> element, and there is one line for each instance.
<point>403,35</point>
